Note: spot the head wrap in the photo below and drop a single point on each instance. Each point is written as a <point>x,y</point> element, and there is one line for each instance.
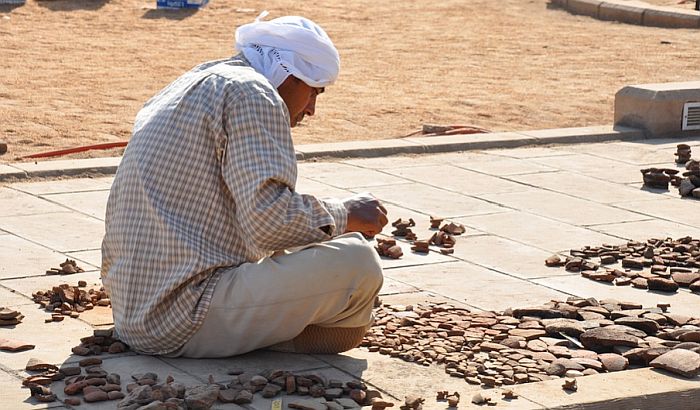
<point>287,46</point>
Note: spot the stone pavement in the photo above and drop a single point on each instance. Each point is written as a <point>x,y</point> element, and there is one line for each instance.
<point>520,205</point>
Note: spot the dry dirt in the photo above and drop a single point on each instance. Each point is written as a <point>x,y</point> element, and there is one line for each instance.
<point>75,72</point>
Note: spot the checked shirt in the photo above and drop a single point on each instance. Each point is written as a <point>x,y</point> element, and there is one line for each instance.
<point>206,184</point>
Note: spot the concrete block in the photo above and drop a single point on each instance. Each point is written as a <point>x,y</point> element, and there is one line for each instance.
<point>671,18</point>
<point>585,7</point>
<point>621,12</point>
<point>656,108</point>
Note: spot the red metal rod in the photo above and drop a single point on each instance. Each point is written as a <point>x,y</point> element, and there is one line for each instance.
<point>106,145</point>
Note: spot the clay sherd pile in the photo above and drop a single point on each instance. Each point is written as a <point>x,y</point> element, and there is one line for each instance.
<point>560,339</point>
<point>68,267</point>
<point>682,154</point>
<point>662,265</point>
<point>102,341</point>
<point>65,300</point>
<point>388,248</point>
<point>10,317</point>
<point>403,229</point>
<point>690,184</point>
<point>658,178</point>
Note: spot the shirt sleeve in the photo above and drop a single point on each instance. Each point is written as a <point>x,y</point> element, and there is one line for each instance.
<point>259,168</point>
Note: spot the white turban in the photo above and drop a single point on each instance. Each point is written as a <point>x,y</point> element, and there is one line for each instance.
<point>287,46</point>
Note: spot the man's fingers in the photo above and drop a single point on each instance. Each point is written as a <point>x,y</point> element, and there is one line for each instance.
<point>383,220</point>
<point>379,204</point>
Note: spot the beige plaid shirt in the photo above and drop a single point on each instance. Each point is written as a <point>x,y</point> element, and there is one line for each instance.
<point>207,183</point>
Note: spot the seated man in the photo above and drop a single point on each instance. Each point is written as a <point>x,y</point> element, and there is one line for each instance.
<point>204,206</point>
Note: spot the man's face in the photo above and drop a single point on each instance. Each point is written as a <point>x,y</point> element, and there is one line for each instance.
<point>299,97</point>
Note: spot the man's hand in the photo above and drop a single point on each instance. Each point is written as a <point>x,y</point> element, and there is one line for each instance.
<point>365,215</point>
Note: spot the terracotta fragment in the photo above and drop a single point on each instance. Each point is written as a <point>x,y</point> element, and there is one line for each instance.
<point>11,345</point>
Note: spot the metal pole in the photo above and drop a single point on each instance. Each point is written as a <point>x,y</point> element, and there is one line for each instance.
<point>697,5</point>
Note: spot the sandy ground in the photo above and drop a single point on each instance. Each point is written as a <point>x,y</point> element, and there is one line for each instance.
<point>75,72</point>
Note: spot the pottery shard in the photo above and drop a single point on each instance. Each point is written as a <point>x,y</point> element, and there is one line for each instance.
<point>36,365</point>
<point>685,278</point>
<point>489,347</point>
<point>604,337</point>
<point>648,326</point>
<point>8,314</point>
<point>695,286</point>
<point>567,326</point>
<point>662,285</point>
<point>227,395</point>
<point>639,283</point>
<point>613,362</point>
<point>140,395</point>
<point>11,345</point>
<point>95,395</point>
<point>201,397</point>
<point>553,260</point>
<point>528,334</point>
<point>543,312</point>
<point>306,404</point>
<point>691,336</point>
<point>679,361</point>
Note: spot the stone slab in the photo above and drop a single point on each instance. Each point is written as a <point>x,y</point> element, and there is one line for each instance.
<point>530,152</point>
<point>433,201</point>
<point>255,361</point>
<point>624,13</point>
<point>631,389</point>
<point>9,172</point>
<point>92,203</point>
<point>16,203</point>
<point>370,148</point>
<point>472,141</point>
<point>631,152</point>
<point>61,231</point>
<point>106,165</point>
<point>596,167</point>
<point>28,258</point>
<point>456,179</point>
<point>497,165</point>
<point>585,187</point>
<point>347,176</point>
<point>8,297</point>
<point>642,230</point>
<point>320,190</point>
<point>475,285</point>
<point>393,287</point>
<point>673,18</point>
<point>536,231</point>
<point>584,134</point>
<point>682,302</point>
<point>562,207</point>
<point>506,256</point>
<point>584,7</point>
<point>683,211</point>
<point>62,186</point>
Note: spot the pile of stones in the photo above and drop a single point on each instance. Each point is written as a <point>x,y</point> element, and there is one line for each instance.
<point>690,184</point>
<point>10,317</point>
<point>68,267</point>
<point>657,264</point>
<point>659,178</point>
<point>559,339</point>
<point>65,300</point>
<point>101,341</point>
<point>443,238</point>
<point>682,154</point>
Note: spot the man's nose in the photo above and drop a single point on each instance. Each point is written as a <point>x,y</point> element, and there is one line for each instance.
<point>310,107</point>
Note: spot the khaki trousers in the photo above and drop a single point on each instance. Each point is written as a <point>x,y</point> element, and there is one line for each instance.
<point>331,284</point>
